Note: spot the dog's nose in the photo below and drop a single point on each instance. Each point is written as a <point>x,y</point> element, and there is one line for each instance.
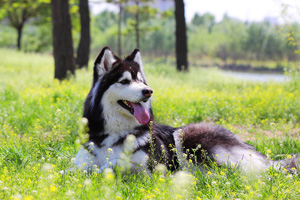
<point>147,92</point>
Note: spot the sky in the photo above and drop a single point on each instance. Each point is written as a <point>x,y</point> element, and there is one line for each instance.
<point>245,10</point>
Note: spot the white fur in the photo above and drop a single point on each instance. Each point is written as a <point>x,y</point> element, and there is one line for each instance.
<point>247,159</point>
<point>84,160</point>
<point>140,77</point>
<point>108,56</point>
<point>94,91</point>
<point>117,119</point>
<point>126,75</point>
<point>178,145</point>
<point>107,157</point>
<point>138,59</point>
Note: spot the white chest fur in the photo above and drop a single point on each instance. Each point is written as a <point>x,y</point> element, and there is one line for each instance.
<point>110,155</point>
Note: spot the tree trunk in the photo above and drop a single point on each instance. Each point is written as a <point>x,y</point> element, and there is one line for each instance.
<point>83,50</point>
<point>19,30</point>
<point>120,30</point>
<point>137,23</point>
<point>62,39</point>
<point>181,37</point>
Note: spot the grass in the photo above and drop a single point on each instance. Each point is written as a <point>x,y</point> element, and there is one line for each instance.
<point>39,123</point>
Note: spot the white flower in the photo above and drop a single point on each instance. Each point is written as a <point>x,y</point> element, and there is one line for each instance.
<point>110,150</point>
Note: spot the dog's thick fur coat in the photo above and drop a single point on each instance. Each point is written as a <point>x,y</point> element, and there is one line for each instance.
<point>118,105</point>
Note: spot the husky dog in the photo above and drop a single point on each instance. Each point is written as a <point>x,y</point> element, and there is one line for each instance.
<point>119,104</point>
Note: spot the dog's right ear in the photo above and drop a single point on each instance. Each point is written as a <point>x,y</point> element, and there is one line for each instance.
<point>104,62</point>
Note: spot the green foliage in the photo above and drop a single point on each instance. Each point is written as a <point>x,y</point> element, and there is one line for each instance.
<point>230,40</point>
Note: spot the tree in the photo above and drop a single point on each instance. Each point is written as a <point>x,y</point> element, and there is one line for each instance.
<point>120,4</point>
<point>207,20</point>
<point>18,12</point>
<point>62,39</point>
<point>142,11</point>
<point>181,37</point>
<point>83,50</point>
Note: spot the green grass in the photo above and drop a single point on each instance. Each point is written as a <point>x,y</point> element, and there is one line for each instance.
<point>39,122</point>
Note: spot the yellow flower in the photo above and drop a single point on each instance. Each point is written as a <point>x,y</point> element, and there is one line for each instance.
<point>209,173</point>
<point>28,198</point>
<point>248,187</point>
<point>53,188</point>
<point>161,180</point>
<point>118,198</point>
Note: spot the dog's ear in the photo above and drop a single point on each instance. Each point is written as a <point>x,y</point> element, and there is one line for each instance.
<point>104,61</point>
<point>136,57</point>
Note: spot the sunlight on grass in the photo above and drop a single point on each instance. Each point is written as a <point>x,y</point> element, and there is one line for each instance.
<point>40,118</point>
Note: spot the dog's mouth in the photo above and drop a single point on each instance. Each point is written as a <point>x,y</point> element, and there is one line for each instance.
<point>137,109</point>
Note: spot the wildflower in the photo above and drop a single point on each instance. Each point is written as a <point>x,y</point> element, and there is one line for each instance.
<point>161,168</point>
<point>79,185</point>
<point>87,182</point>
<point>47,167</point>
<point>142,190</point>
<point>108,174</point>
<point>248,187</point>
<point>213,183</point>
<point>28,198</point>
<point>161,180</point>
<point>73,160</point>
<point>84,121</point>
<point>209,173</point>
<point>70,193</point>
<point>110,150</point>
<point>118,198</point>
<point>53,188</point>
<point>222,173</point>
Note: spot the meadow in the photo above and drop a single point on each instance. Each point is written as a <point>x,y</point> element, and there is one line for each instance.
<point>40,129</point>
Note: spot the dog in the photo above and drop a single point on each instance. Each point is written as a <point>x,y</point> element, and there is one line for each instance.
<point>119,105</point>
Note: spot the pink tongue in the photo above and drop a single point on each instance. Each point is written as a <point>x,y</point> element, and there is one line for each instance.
<point>140,113</point>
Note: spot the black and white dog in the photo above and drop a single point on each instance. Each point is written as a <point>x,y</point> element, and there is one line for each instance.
<point>118,105</point>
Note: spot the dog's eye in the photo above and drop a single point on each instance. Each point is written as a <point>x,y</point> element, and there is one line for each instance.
<point>124,82</point>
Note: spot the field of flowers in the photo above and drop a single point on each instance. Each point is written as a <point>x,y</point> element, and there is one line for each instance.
<point>40,119</point>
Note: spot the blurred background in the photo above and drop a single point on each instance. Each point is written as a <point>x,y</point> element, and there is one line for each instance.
<point>256,36</point>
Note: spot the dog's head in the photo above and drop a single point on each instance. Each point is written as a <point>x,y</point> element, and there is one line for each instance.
<point>119,92</point>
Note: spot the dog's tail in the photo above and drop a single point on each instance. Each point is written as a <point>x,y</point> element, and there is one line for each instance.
<point>291,164</point>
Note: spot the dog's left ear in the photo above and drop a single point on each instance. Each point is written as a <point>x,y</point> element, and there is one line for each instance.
<point>136,57</point>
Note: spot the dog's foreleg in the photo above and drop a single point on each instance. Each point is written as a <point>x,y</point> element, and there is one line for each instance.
<point>85,160</point>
